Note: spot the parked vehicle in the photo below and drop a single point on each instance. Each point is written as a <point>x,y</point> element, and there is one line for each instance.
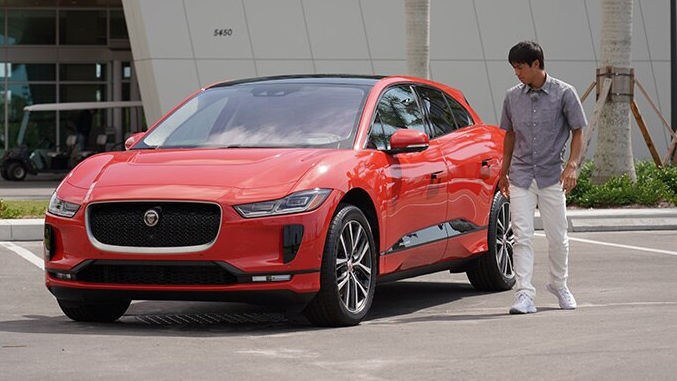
<point>46,156</point>
<point>303,190</point>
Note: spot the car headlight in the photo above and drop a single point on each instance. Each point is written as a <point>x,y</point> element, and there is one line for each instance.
<point>294,203</point>
<point>62,208</point>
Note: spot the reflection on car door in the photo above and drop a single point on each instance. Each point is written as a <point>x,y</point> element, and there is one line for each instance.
<point>416,184</point>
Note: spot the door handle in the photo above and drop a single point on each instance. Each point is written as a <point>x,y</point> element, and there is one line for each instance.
<point>485,170</point>
<point>436,175</point>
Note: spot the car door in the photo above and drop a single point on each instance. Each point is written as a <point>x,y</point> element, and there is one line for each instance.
<point>416,202</point>
<point>473,156</point>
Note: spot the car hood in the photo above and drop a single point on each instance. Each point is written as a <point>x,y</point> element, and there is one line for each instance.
<point>222,169</point>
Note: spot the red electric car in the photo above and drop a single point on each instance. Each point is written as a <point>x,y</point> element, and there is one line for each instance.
<point>303,190</point>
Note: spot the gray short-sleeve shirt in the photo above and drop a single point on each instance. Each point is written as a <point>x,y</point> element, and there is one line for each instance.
<point>541,119</point>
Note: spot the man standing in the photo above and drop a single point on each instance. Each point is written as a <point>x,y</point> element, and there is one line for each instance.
<point>538,116</point>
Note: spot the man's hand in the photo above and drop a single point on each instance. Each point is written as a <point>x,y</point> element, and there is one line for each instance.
<point>569,177</point>
<point>504,185</point>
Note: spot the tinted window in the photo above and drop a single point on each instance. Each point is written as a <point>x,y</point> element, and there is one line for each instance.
<point>461,115</point>
<point>397,108</point>
<point>441,120</point>
<point>264,115</point>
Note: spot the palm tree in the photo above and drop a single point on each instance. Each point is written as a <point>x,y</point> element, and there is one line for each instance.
<point>418,37</point>
<point>614,149</point>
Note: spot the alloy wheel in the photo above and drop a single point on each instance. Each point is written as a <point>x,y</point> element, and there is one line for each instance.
<point>505,240</point>
<point>353,267</point>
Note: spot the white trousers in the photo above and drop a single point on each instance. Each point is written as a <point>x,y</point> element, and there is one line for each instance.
<point>551,203</point>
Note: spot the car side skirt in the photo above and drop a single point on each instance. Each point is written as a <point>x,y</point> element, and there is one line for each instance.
<point>445,230</point>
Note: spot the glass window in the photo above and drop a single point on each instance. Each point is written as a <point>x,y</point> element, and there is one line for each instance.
<point>118,27</point>
<point>441,119</point>
<point>126,70</point>
<point>41,131</point>
<point>3,38</point>
<point>30,72</point>
<point>82,27</point>
<point>397,108</point>
<point>82,93</point>
<point>461,115</point>
<point>264,115</point>
<point>83,72</point>
<point>31,27</point>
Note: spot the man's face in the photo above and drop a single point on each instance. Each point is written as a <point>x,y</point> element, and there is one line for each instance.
<point>526,73</point>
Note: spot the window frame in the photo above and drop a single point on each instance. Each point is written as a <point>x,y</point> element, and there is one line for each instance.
<point>447,95</point>
<point>427,116</point>
<point>375,114</point>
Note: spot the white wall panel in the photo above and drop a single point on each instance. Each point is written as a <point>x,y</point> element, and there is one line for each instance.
<point>165,27</point>
<point>224,70</point>
<point>210,20</point>
<point>278,29</point>
<point>657,24</point>
<point>503,24</point>
<point>279,67</point>
<point>454,31</point>
<point>560,37</point>
<point>336,29</point>
<point>385,28</point>
<point>391,67</point>
<point>343,67</point>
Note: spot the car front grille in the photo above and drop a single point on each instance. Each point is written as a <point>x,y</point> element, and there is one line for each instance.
<point>155,272</point>
<point>180,224</point>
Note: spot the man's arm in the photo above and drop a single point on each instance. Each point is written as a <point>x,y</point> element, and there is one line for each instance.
<point>508,146</point>
<point>569,175</point>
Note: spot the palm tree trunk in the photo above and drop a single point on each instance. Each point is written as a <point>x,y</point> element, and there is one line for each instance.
<point>418,37</point>
<point>613,156</point>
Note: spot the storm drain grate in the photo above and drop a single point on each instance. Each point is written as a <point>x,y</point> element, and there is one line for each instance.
<point>212,319</point>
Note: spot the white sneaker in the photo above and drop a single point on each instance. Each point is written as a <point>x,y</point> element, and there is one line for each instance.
<point>523,304</point>
<point>564,296</point>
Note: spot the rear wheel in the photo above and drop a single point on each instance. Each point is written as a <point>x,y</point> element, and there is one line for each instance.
<point>94,312</point>
<point>494,270</point>
<point>348,273</point>
<point>4,174</point>
<point>16,171</point>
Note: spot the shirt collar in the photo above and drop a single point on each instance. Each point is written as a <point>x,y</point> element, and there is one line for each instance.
<point>546,86</point>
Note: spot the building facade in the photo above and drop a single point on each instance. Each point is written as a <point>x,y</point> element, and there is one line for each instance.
<point>178,46</point>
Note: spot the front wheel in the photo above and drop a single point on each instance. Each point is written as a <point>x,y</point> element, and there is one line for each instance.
<point>94,312</point>
<point>348,273</point>
<point>494,270</point>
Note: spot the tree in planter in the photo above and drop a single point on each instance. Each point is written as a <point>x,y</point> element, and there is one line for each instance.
<point>614,149</point>
<point>417,13</point>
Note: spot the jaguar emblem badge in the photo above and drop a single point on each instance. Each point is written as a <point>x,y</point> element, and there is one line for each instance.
<point>151,217</point>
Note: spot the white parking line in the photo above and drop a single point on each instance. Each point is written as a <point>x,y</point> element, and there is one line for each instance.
<point>617,245</point>
<point>25,254</point>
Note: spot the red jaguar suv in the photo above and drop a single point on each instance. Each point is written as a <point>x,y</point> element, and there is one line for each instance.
<point>304,190</point>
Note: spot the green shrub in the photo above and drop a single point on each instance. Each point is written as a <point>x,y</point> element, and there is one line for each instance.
<point>653,186</point>
<point>23,209</point>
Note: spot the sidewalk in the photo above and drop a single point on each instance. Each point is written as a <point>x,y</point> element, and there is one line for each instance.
<point>580,220</point>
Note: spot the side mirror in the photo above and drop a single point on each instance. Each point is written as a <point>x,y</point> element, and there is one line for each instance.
<point>129,143</point>
<point>404,140</point>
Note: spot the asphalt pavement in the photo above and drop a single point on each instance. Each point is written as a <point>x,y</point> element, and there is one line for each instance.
<point>431,327</point>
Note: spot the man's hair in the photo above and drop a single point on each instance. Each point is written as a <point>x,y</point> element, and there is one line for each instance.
<point>526,52</point>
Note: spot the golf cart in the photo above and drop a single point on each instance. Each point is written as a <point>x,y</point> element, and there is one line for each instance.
<point>19,161</point>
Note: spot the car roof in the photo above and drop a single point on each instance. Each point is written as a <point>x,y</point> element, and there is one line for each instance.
<point>368,80</point>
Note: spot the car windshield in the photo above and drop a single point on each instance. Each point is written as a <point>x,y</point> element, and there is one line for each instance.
<point>264,115</point>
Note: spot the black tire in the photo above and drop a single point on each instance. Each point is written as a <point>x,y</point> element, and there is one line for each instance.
<point>336,305</point>
<point>494,270</point>
<point>4,174</point>
<point>16,171</point>
<point>94,312</point>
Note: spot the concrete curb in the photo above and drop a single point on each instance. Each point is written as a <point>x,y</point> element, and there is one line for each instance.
<point>601,220</point>
<point>580,220</point>
<point>22,230</point>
